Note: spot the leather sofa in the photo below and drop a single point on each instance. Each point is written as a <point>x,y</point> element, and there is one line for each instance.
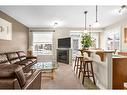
<point>15,72</point>
<point>13,77</point>
<point>19,58</point>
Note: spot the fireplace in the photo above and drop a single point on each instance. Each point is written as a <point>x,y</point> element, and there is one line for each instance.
<point>63,56</point>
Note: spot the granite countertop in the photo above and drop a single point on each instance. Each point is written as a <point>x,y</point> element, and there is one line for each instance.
<point>103,51</point>
<point>119,56</point>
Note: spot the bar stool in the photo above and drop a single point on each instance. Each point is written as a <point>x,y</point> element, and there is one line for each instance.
<point>78,61</point>
<point>88,68</point>
<point>85,56</point>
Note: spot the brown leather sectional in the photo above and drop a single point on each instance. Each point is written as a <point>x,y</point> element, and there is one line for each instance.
<point>15,72</point>
<point>19,58</point>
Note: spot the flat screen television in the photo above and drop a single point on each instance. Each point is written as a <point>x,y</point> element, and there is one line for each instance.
<point>64,42</point>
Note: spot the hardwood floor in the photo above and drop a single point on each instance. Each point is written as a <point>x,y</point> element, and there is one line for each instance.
<point>65,78</point>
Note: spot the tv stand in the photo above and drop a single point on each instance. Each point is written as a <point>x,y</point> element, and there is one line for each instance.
<point>64,55</point>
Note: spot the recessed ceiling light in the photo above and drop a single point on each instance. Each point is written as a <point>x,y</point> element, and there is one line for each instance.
<point>57,24</point>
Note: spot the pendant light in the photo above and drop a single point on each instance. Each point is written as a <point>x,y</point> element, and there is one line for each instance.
<point>85,30</point>
<point>96,24</point>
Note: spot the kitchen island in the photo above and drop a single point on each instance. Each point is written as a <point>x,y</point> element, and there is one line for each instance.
<point>110,69</point>
<point>102,65</point>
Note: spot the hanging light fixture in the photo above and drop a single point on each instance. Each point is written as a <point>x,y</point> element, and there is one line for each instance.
<point>85,30</point>
<point>96,24</point>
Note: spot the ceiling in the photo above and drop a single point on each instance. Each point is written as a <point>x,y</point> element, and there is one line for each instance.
<point>65,16</point>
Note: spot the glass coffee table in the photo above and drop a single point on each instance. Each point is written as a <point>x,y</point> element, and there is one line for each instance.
<point>46,67</point>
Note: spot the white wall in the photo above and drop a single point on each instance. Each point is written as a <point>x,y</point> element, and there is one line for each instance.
<point>121,24</point>
<point>102,40</point>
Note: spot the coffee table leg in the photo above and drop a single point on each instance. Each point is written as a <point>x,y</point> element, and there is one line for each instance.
<point>53,71</point>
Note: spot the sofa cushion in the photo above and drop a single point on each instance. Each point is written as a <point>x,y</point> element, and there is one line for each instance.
<point>3,59</point>
<point>25,62</point>
<point>15,61</point>
<point>20,76</point>
<point>22,58</point>
<point>21,55</point>
<point>13,57</point>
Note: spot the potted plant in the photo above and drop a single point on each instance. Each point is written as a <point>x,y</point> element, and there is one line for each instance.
<point>86,41</point>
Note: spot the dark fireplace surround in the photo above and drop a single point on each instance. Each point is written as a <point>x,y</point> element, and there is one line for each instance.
<point>63,56</point>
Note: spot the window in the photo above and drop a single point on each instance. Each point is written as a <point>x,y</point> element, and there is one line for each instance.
<point>42,43</point>
<point>113,39</point>
<point>76,40</point>
<point>95,38</point>
<point>75,44</point>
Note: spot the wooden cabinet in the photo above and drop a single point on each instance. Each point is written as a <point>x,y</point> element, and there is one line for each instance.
<point>119,72</point>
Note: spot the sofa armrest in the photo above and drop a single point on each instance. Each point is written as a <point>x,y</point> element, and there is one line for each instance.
<point>34,81</point>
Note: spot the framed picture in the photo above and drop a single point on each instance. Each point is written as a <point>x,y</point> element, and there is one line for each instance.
<point>5,30</point>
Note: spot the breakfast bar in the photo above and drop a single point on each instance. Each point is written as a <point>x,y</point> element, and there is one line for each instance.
<point>102,65</point>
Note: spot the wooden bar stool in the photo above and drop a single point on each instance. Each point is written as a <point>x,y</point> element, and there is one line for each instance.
<point>80,68</point>
<point>85,57</point>
<point>78,63</point>
<point>88,70</point>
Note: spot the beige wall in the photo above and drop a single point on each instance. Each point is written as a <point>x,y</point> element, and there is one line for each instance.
<point>19,36</point>
<point>59,33</point>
